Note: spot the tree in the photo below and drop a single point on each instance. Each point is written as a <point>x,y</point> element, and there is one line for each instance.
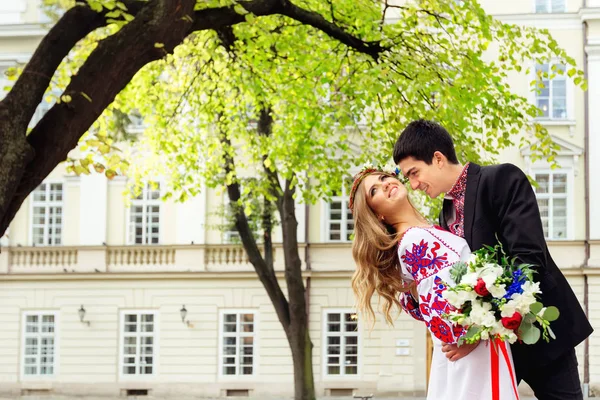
<point>273,89</point>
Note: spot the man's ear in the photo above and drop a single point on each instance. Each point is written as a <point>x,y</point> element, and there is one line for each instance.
<point>439,159</point>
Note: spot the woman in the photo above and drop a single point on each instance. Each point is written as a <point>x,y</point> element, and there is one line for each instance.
<point>407,262</point>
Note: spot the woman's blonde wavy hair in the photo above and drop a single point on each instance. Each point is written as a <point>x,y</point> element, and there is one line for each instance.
<point>375,251</point>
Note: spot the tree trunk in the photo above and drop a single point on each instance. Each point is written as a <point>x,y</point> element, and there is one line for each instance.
<point>301,346</point>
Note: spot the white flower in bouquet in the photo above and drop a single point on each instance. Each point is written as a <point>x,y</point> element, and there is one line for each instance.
<point>531,288</point>
<point>505,333</point>
<point>489,273</point>
<point>498,291</point>
<point>460,318</point>
<point>481,314</point>
<point>470,278</point>
<point>509,309</point>
<point>523,302</point>
<point>459,298</point>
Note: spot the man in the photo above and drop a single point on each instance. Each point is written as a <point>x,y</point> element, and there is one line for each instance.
<point>480,204</point>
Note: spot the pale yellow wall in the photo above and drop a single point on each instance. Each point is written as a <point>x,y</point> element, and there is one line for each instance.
<point>116,213</point>
<point>214,203</point>
<point>189,355</point>
<point>19,45</point>
<point>71,213</point>
<point>594,341</point>
<point>168,223</point>
<point>522,6</point>
<point>32,13</point>
<point>315,221</point>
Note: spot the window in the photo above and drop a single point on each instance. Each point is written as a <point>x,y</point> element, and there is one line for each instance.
<point>47,213</point>
<point>39,344</point>
<point>552,98</point>
<point>338,218</point>
<point>341,341</point>
<point>144,217</point>
<point>551,196</point>
<point>138,348</point>
<point>549,6</point>
<point>238,340</point>
<point>10,11</point>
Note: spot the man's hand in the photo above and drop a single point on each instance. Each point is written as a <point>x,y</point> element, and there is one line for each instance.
<point>454,352</point>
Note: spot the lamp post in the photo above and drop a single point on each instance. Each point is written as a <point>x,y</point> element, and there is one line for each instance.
<point>82,316</point>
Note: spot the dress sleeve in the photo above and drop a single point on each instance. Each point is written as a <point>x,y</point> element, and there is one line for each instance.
<point>427,258</point>
<point>411,306</point>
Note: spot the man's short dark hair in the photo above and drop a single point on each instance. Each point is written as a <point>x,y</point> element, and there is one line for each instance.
<point>420,139</point>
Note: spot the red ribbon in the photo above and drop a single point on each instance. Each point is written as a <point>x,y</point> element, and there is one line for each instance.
<point>495,364</point>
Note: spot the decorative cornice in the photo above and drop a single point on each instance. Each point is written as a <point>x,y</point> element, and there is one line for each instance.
<point>23,30</point>
<point>553,21</point>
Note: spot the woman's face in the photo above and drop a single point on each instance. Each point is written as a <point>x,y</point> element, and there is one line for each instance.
<point>384,195</point>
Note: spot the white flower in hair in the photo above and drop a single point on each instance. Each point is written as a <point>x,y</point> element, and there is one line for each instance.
<point>368,165</point>
<point>389,170</point>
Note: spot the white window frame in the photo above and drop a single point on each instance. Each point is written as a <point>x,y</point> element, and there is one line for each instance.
<point>359,348</point>
<point>549,6</point>
<point>24,335</point>
<point>569,93</point>
<point>222,335</point>
<point>326,209</point>
<point>156,348</point>
<point>144,202</point>
<point>569,196</point>
<point>47,203</point>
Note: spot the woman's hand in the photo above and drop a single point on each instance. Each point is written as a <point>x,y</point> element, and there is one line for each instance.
<point>454,352</point>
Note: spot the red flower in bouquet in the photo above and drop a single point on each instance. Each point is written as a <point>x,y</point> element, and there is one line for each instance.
<point>480,288</point>
<point>513,322</point>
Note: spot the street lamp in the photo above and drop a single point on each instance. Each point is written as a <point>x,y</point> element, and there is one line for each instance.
<point>82,316</point>
<point>183,313</point>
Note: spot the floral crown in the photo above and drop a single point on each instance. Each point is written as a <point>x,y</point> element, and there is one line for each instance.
<point>367,170</point>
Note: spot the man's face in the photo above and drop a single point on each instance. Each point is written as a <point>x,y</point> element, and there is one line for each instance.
<point>428,178</point>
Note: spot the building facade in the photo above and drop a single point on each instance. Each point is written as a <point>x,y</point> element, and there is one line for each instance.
<point>103,297</point>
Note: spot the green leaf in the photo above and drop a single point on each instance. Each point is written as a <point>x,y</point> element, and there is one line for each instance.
<point>551,314</point>
<point>530,335</point>
<point>536,307</point>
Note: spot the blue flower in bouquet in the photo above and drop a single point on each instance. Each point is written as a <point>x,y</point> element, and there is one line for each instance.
<point>517,284</point>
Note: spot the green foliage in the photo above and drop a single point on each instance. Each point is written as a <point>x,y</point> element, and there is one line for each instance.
<point>333,107</point>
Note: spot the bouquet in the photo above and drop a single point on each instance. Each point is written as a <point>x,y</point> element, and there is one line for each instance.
<point>495,298</point>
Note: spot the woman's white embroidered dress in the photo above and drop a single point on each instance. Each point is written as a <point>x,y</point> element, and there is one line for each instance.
<point>426,256</point>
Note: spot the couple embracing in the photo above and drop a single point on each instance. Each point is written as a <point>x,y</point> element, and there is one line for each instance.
<point>482,204</point>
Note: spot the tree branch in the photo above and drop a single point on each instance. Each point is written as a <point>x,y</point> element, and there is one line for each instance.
<point>108,69</point>
<point>267,278</point>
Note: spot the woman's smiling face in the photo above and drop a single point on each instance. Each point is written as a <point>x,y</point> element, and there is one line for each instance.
<point>384,194</point>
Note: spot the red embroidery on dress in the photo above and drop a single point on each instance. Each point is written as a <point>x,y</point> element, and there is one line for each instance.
<point>441,330</point>
<point>421,265</point>
<point>411,306</point>
<point>442,242</point>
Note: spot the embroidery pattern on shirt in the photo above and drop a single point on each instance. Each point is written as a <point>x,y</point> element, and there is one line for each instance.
<point>457,192</point>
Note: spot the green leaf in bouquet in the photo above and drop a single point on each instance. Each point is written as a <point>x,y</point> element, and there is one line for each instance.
<point>529,318</point>
<point>472,332</point>
<point>458,271</point>
<point>551,313</point>
<point>530,334</point>
<point>536,307</point>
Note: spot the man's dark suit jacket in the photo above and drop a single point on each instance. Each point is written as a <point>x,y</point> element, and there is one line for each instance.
<point>499,200</point>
